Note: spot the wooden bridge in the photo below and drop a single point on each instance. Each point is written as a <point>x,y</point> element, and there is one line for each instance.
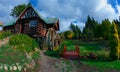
<point>71,54</point>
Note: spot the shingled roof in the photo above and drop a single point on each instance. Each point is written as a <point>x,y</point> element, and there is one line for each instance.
<point>11,22</point>
<point>50,20</point>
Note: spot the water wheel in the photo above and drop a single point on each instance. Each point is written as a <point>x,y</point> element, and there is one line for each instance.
<point>51,38</point>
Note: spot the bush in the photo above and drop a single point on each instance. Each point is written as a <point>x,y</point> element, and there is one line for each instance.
<point>53,53</point>
<point>5,34</point>
<point>22,41</point>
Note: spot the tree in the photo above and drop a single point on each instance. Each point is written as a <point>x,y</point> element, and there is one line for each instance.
<point>69,34</point>
<point>15,12</point>
<point>117,22</point>
<point>114,42</point>
<point>98,32</point>
<point>89,29</point>
<point>106,29</point>
<point>76,31</point>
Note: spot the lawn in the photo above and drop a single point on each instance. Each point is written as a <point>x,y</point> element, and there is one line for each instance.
<point>101,50</point>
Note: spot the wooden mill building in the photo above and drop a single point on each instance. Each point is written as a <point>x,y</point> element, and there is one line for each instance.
<point>30,22</point>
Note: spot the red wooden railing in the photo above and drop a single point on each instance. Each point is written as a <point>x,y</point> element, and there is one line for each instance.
<point>77,49</point>
<point>75,53</point>
<point>64,51</point>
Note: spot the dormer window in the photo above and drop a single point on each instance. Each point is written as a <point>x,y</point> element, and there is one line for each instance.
<point>33,23</point>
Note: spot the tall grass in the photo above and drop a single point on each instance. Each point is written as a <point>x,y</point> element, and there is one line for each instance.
<point>22,41</point>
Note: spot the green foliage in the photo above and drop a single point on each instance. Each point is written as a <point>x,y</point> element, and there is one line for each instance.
<point>100,49</point>
<point>17,10</point>
<point>88,31</point>
<point>53,53</point>
<point>9,55</point>
<point>23,42</point>
<point>103,66</point>
<point>114,42</point>
<point>41,41</point>
<point>36,55</point>
<point>62,37</point>
<point>103,30</point>
<point>99,31</point>
<point>4,34</point>
<point>94,30</point>
<point>117,22</point>
<point>76,30</point>
<point>106,25</point>
<point>69,34</point>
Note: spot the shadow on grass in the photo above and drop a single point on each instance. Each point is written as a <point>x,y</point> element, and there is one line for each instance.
<point>98,60</point>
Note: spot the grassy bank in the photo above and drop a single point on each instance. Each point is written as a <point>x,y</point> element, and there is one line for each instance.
<point>21,52</point>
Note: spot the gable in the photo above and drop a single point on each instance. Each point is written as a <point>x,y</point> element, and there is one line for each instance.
<point>30,12</point>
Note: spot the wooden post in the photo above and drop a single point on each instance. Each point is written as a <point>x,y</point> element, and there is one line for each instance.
<point>77,49</point>
<point>64,51</point>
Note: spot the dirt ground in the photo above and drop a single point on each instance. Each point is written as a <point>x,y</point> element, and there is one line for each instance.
<point>4,41</point>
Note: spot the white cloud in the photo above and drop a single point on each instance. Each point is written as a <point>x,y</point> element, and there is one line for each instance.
<point>69,10</point>
<point>118,8</point>
<point>6,6</point>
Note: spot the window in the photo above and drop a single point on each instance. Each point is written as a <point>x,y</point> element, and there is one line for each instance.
<point>33,23</point>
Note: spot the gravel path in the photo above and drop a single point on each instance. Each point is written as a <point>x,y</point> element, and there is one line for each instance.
<point>46,64</point>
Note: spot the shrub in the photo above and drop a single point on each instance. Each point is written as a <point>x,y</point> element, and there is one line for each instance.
<point>22,41</point>
<point>53,53</point>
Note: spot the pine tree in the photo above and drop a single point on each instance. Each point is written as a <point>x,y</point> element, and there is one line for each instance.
<point>106,29</point>
<point>114,42</point>
<point>76,31</point>
<point>89,29</point>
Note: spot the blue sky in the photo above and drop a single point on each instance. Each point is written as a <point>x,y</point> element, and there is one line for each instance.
<point>114,3</point>
<point>75,11</point>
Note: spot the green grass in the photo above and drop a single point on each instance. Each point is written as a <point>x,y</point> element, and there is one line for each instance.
<point>17,48</point>
<point>5,34</point>
<point>9,55</point>
<point>101,49</point>
<point>22,41</point>
<point>104,64</point>
<point>86,46</point>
